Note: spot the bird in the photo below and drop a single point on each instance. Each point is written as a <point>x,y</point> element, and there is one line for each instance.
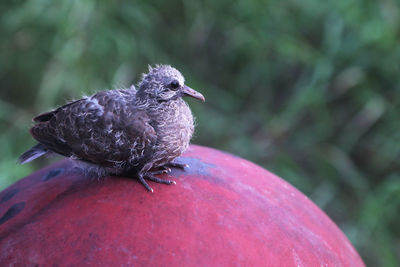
<point>135,132</point>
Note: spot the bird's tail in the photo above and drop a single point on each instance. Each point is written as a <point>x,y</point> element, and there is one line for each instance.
<point>33,153</point>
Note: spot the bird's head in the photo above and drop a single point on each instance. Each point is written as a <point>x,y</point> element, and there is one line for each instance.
<point>165,83</point>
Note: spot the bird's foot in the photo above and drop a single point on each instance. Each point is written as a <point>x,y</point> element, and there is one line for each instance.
<point>177,165</point>
<point>150,176</point>
<point>166,168</point>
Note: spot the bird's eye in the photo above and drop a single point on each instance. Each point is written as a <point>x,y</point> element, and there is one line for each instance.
<point>174,85</point>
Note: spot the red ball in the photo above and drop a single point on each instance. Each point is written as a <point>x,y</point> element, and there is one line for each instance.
<point>223,211</point>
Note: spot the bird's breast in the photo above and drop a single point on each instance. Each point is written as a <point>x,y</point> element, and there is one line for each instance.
<point>174,126</point>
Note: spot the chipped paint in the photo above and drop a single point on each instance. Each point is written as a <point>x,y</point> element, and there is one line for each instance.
<point>13,211</point>
<point>8,195</point>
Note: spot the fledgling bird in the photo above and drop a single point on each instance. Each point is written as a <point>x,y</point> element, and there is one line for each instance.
<point>122,131</point>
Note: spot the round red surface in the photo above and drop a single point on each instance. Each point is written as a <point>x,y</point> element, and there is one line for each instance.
<point>223,211</point>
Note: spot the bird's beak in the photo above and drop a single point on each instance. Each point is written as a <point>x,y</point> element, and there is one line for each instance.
<point>187,91</point>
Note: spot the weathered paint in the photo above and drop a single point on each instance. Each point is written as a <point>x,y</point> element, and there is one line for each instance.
<point>223,211</point>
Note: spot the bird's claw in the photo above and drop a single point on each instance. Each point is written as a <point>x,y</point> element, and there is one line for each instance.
<point>151,177</point>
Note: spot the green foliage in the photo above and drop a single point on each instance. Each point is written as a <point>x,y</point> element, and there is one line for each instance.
<point>309,89</point>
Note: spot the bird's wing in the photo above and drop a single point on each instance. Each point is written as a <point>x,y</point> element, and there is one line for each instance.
<point>46,116</point>
<point>104,129</point>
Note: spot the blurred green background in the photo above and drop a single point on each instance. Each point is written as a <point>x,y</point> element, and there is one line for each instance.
<point>308,89</point>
